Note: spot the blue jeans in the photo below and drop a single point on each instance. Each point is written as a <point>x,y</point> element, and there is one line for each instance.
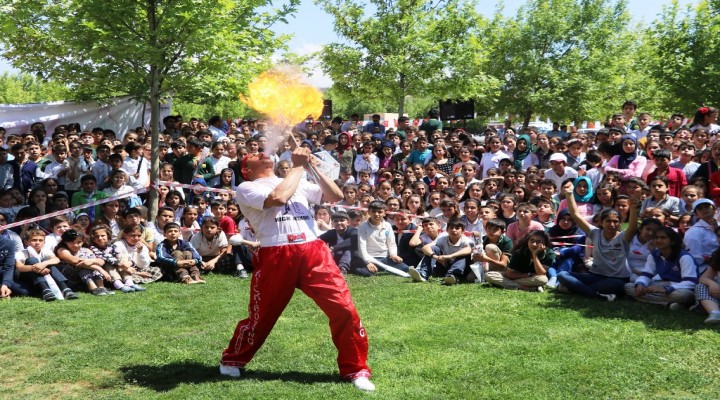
<point>29,279</point>
<point>589,285</point>
<point>430,267</point>
<point>567,259</point>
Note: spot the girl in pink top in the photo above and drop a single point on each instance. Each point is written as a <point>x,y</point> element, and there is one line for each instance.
<point>628,164</point>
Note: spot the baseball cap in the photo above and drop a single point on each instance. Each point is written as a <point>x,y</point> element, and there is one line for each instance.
<point>558,157</point>
<point>702,201</point>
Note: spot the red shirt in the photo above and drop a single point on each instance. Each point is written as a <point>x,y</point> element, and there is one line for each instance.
<point>676,179</point>
<point>228,226</point>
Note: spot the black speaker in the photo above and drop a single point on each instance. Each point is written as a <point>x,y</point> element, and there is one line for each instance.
<point>327,109</point>
<point>453,109</point>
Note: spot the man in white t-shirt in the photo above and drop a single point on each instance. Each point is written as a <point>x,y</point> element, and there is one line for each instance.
<point>290,257</point>
<point>559,171</point>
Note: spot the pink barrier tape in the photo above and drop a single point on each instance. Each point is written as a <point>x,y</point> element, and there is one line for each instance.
<point>566,237</point>
<point>194,187</point>
<point>570,244</point>
<point>71,209</point>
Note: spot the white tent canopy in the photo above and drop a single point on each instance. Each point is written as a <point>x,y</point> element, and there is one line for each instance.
<point>119,114</point>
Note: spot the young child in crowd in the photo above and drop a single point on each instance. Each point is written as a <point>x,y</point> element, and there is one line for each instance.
<point>115,265</point>
<point>446,257</point>
<point>33,264</point>
<point>528,265</point>
<point>79,264</point>
<point>179,256</point>
<point>525,224</point>
<point>376,241</point>
<point>212,245</point>
<point>132,248</point>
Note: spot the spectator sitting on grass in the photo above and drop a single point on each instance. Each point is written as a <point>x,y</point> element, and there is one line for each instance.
<point>529,263</point>
<point>519,229</point>
<point>376,241</point>
<point>115,265</point>
<point>80,265</point>
<point>132,248</point>
<point>33,264</point>
<point>212,245</point>
<point>608,273</point>
<point>343,242</point>
<point>676,269</point>
<point>179,256</point>
<point>447,257</point>
<point>707,292</point>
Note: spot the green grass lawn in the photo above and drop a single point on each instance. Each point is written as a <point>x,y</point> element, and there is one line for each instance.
<point>426,341</point>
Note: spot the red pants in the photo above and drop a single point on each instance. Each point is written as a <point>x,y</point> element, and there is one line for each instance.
<point>310,268</point>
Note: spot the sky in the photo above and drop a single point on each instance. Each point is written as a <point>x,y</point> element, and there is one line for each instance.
<point>312,28</point>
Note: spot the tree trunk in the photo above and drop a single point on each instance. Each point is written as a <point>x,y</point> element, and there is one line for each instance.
<point>154,118</point>
<point>155,128</point>
<point>527,115</point>
<point>401,99</point>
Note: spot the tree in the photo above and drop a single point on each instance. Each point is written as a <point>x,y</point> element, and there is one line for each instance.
<point>557,56</point>
<point>406,47</point>
<point>24,88</point>
<point>687,54</point>
<point>197,49</point>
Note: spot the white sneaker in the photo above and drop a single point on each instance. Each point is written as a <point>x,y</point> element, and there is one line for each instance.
<point>608,297</point>
<point>449,280</point>
<point>415,275</point>
<point>552,282</point>
<point>714,318</point>
<point>363,384</point>
<point>675,306</point>
<point>228,370</point>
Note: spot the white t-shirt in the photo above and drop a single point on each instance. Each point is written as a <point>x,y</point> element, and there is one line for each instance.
<point>491,160</point>
<point>206,247</point>
<point>569,174</point>
<point>286,224</point>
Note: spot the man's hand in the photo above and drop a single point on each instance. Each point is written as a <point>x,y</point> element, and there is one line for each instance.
<point>300,157</point>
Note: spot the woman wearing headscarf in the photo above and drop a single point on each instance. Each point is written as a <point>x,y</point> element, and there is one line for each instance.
<point>628,164</point>
<point>569,252</point>
<point>583,194</point>
<point>523,157</point>
<point>345,150</point>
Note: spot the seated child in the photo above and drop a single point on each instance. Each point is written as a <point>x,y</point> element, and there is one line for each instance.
<point>525,224</point>
<point>212,245</point>
<point>33,264</point>
<point>179,256</point>
<point>528,265</point>
<point>376,241</point>
<point>447,257</point>
<point>131,248</point>
<point>676,269</point>
<point>707,292</point>
<point>115,265</point>
<point>494,254</point>
<point>79,264</point>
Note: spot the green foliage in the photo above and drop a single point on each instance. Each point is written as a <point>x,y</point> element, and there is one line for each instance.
<point>559,57</point>
<point>426,341</point>
<point>203,50</point>
<point>24,88</point>
<point>687,54</point>
<point>223,108</point>
<point>396,48</point>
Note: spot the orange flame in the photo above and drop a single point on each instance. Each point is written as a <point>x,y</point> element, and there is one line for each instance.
<point>282,97</point>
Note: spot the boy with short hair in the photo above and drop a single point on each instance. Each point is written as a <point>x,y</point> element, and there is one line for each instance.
<point>132,216</point>
<point>494,253</point>
<point>420,154</point>
<point>227,224</point>
<point>559,171</point>
<point>343,241</point>
<point>179,256</point>
<point>676,178</point>
<point>34,263</point>
<point>685,161</point>
<point>660,198</point>
<point>376,241</point>
<point>56,169</point>
<point>545,212</point>
<point>88,194</point>
<point>447,257</point>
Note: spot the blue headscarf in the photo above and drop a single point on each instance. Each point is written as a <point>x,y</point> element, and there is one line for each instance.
<point>589,195</point>
<point>625,159</point>
<point>519,156</point>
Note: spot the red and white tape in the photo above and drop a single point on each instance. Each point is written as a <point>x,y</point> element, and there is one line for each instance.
<point>71,209</point>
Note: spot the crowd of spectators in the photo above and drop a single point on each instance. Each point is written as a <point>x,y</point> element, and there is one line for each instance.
<point>626,210</point>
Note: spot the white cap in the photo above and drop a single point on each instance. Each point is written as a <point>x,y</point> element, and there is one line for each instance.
<point>558,157</point>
